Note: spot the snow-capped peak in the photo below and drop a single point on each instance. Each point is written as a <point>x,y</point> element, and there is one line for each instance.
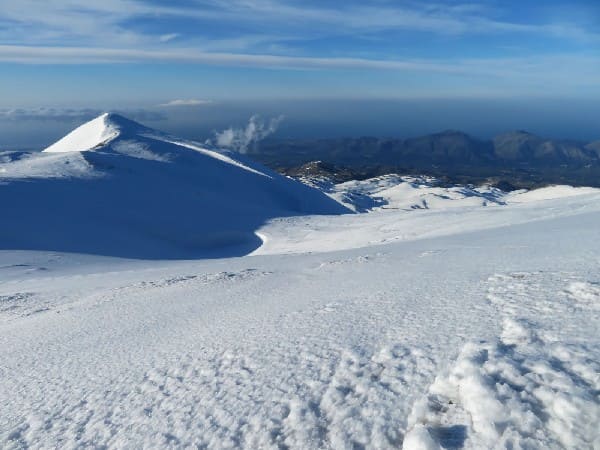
<point>95,133</point>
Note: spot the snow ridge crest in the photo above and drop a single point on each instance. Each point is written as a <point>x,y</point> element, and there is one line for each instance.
<point>95,134</point>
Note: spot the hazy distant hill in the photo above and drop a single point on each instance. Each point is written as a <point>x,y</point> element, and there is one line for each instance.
<point>595,147</point>
<point>516,156</point>
<point>525,147</point>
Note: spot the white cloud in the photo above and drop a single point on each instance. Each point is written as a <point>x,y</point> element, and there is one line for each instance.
<point>243,139</point>
<point>187,102</point>
<point>168,37</point>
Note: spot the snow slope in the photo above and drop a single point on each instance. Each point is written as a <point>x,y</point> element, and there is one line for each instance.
<point>482,339</point>
<point>549,193</point>
<point>422,192</point>
<point>400,216</point>
<point>406,193</point>
<point>114,187</point>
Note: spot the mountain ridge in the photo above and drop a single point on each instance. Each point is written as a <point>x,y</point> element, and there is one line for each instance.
<point>116,188</point>
<point>425,146</point>
<point>517,156</point>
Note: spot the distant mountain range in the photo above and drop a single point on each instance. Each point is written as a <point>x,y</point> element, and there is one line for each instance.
<point>519,157</point>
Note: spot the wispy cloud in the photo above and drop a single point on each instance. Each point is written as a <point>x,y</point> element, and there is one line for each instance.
<point>168,37</point>
<point>439,17</point>
<point>45,114</point>
<point>65,22</point>
<point>93,55</point>
<point>534,69</point>
<point>285,34</point>
<point>186,102</point>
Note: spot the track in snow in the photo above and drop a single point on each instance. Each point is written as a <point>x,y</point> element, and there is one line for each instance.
<point>533,387</point>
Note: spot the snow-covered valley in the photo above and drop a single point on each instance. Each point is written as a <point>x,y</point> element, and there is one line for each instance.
<point>438,317</point>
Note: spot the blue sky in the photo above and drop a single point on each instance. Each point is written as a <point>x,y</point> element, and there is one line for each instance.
<point>146,54</point>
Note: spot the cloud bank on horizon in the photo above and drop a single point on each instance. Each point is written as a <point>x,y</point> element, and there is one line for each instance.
<point>186,102</point>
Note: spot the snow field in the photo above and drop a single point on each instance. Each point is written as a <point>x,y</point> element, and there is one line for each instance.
<point>431,322</point>
<point>447,342</point>
<point>532,387</point>
<point>517,392</point>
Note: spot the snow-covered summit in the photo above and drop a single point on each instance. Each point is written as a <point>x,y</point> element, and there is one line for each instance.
<point>113,133</point>
<point>115,187</point>
<point>94,134</point>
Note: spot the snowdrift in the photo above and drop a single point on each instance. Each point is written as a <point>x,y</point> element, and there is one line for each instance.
<point>550,193</point>
<point>413,193</point>
<point>114,187</point>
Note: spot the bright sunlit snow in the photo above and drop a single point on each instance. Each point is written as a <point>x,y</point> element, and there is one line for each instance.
<point>89,136</point>
<point>434,317</point>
